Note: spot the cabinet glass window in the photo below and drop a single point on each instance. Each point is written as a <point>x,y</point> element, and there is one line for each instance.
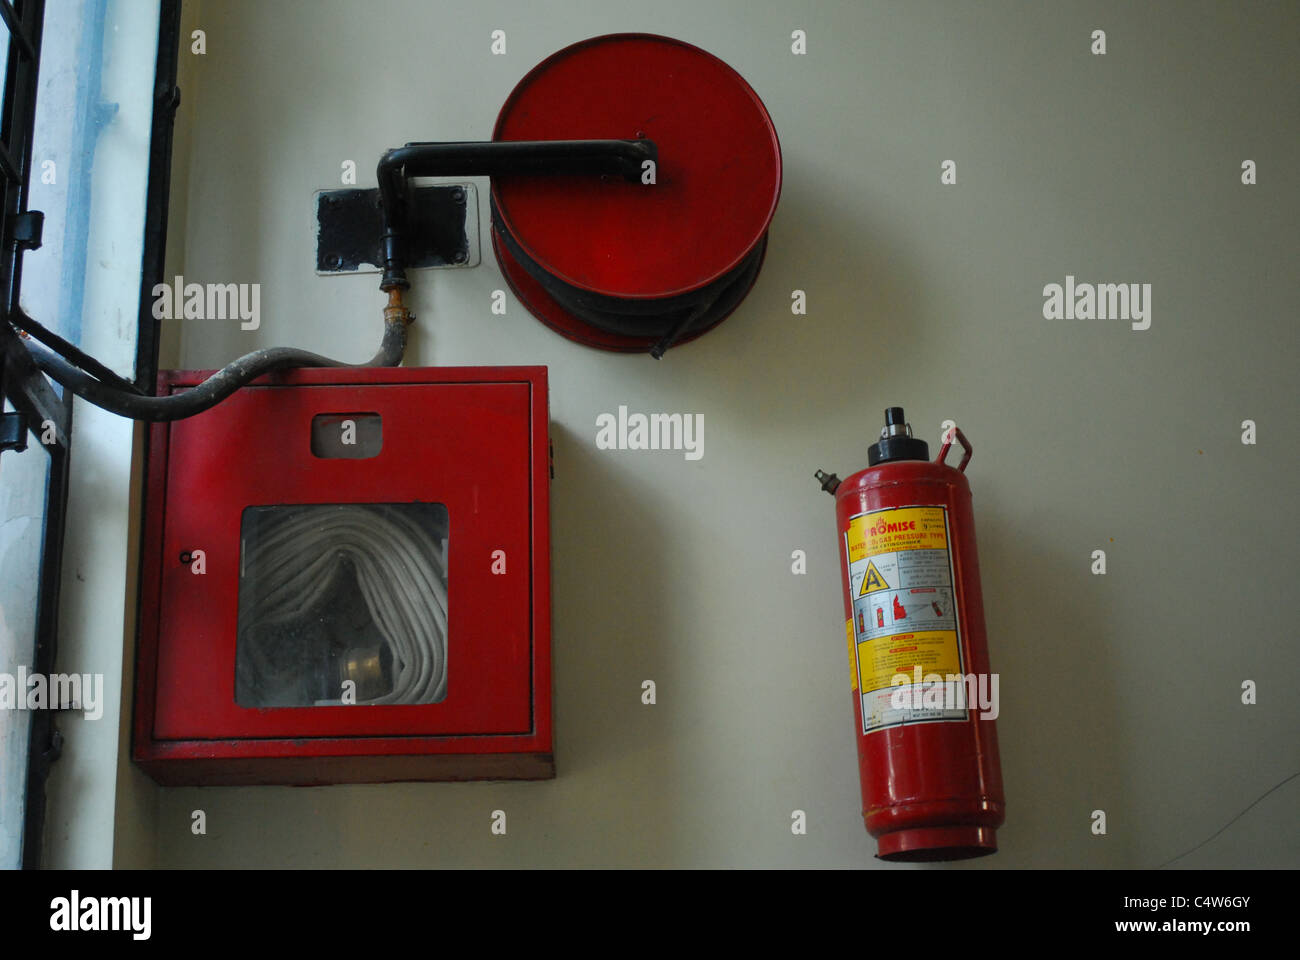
<point>342,604</point>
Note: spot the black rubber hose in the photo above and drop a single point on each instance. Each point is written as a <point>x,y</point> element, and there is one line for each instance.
<point>212,390</point>
<point>72,353</point>
<point>666,319</point>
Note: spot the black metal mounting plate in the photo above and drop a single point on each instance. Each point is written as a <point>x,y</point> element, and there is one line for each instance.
<point>442,230</point>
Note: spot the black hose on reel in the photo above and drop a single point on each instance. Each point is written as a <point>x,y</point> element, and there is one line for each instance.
<point>665,319</point>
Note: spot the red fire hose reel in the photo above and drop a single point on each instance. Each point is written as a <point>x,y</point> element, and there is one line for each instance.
<point>638,266</point>
<point>923,698</point>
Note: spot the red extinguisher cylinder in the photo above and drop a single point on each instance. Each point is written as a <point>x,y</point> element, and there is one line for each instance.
<point>924,698</point>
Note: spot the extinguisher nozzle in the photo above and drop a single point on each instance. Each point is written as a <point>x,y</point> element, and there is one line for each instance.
<point>830,483</point>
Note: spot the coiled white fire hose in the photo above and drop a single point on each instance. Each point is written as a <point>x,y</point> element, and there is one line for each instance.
<point>399,566</point>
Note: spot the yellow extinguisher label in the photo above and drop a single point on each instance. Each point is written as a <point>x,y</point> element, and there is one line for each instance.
<point>904,634</point>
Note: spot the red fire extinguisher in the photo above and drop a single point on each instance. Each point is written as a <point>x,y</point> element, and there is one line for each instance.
<point>923,697</point>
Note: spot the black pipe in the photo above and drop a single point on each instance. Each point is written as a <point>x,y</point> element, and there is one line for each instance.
<point>167,98</point>
<point>63,362</point>
<point>491,158</point>
<point>72,353</point>
<point>212,390</point>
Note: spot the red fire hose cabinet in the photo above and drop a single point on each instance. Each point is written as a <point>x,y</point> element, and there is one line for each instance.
<point>346,578</point>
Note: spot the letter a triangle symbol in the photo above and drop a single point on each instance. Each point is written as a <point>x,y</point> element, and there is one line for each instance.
<point>873,581</point>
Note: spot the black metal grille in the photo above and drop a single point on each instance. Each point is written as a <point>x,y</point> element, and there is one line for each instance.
<point>30,393</point>
<point>23,22</point>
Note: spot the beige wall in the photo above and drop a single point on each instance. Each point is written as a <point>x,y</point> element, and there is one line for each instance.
<point>1119,692</point>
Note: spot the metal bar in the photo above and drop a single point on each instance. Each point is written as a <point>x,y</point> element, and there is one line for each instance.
<point>28,390</point>
<point>167,98</point>
<point>20,380</point>
<point>8,168</point>
<point>19,120</point>
<point>71,352</point>
<point>45,741</point>
<point>16,28</point>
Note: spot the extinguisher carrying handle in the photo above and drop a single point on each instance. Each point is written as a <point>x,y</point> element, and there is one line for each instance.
<point>947,442</point>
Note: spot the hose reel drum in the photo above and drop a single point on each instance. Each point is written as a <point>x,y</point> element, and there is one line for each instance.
<point>638,266</point>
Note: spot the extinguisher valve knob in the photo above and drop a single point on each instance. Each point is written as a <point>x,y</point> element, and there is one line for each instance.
<point>896,424</point>
<point>896,441</point>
